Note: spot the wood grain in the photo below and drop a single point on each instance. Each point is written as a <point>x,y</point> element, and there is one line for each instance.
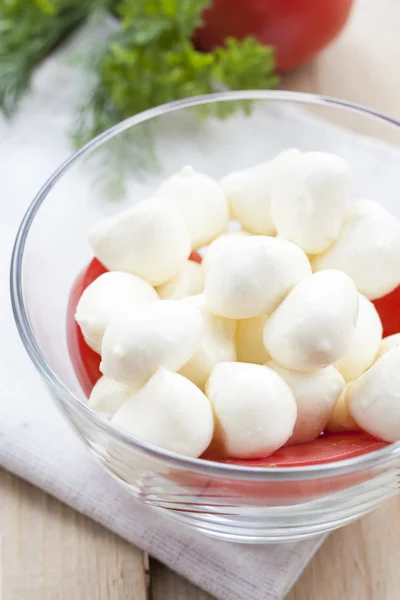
<point>49,552</point>
<point>359,562</point>
<point>167,585</point>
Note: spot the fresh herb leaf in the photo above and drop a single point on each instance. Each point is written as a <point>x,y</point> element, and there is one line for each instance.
<point>29,30</point>
<point>153,61</point>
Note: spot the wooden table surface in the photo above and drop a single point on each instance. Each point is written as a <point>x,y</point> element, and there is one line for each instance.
<point>49,552</point>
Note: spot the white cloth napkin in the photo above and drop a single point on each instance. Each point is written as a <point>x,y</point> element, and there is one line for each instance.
<point>35,441</point>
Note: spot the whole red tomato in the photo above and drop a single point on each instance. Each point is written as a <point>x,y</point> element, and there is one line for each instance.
<point>298,29</point>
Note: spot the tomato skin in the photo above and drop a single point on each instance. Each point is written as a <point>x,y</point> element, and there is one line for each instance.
<point>86,362</point>
<point>298,29</point>
<point>388,308</point>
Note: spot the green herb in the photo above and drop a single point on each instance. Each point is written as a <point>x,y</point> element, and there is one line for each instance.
<point>152,60</point>
<point>29,30</point>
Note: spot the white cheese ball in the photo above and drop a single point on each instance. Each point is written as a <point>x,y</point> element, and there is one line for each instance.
<point>217,344</point>
<point>254,408</point>
<point>249,341</point>
<point>340,419</point>
<point>108,396</point>
<point>150,240</point>
<point>251,277</point>
<point>367,249</point>
<point>388,343</point>
<point>188,282</point>
<point>163,334</point>
<point>309,197</point>
<point>315,324</point>
<point>374,398</point>
<point>200,201</point>
<point>221,244</point>
<point>112,294</point>
<point>171,412</point>
<point>249,193</point>
<point>316,393</point>
<point>365,342</point>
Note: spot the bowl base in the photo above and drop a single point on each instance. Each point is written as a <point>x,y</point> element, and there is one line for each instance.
<point>269,526</point>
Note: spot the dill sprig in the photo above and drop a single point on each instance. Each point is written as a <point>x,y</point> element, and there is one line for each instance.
<point>29,31</point>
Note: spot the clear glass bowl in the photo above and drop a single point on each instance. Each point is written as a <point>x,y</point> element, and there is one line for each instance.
<point>229,502</point>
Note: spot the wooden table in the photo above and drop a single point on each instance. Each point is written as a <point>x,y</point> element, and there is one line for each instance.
<point>49,552</point>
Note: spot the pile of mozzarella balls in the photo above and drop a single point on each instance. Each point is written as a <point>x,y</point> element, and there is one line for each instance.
<point>273,338</point>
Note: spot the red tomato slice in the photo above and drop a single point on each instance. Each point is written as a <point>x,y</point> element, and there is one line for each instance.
<point>327,448</point>
<point>388,308</point>
<point>85,361</point>
<point>195,257</point>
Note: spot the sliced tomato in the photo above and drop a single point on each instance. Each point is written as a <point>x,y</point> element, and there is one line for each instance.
<point>388,308</point>
<point>195,257</point>
<point>86,362</point>
<point>271,492</point>
<point>327,448</point>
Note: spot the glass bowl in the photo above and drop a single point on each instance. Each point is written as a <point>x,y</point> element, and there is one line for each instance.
<point>217,134</point>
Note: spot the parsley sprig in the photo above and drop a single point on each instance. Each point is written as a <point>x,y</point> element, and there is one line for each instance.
<point>153,60</point>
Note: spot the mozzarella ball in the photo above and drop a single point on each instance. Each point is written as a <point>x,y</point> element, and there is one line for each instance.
<point>221,244</point>
<point>163,334</point>
<point>189,282</point>
<point>315,324</point>
<point>200,201</point>
<point>255,410</point>
<point>365,342</point>
<point>149,239</point>
<point>171,412</point>
<point>374,398</point>
<point>217,344</point>
<point>112,294</point>
<point>309,198</point>
<point>249,341</point>
<point>108,396</point>
<point>367,249</point>
<point>251,277</point>
<point>340,419</point>
<point>388,343</point>
<point>316,393</point>
<point>249,193</point>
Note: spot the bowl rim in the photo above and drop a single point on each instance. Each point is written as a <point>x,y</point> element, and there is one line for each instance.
<point>69,400</point>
